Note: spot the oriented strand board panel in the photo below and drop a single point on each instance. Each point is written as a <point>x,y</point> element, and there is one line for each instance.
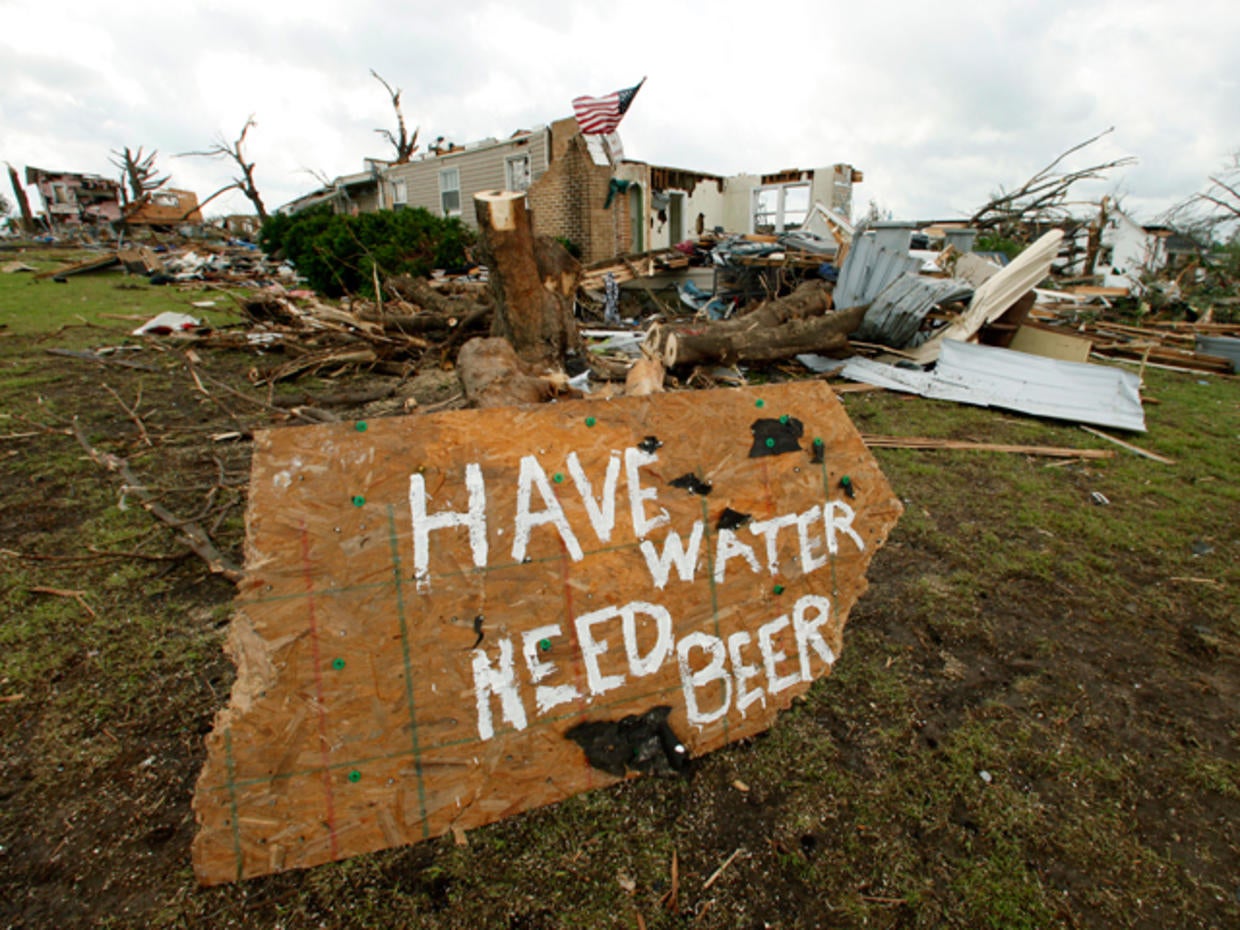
<point>449,619</point>
<point>1050,344</point>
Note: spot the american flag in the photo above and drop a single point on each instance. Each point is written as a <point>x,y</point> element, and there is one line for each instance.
<point>601,115</point>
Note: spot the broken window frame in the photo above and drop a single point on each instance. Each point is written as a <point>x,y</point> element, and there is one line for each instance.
<point>518,178</point>
<point>781,218</point>
<point>400,194</point>
<point>450,191</point>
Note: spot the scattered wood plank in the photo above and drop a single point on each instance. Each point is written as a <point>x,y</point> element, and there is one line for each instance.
<point>91,264</point>
<point>1137,450</point>
<point>928,443</point>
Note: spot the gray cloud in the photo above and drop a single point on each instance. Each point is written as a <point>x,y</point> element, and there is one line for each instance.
<point>938,105</point>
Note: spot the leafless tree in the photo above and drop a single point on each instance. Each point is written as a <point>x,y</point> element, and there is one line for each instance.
<point>138,172</point>
<point>245,181</point>
<point>1044,198</point>
<point>1214,212</point>
<point>404,144</point>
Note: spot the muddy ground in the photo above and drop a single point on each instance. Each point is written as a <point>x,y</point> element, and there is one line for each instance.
<point>1033,723</point>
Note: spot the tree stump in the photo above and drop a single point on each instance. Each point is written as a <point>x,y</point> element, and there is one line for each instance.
<point>534,307</point>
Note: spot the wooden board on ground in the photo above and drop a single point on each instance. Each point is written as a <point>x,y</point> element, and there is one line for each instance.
<point>1039,340</point>
<point>449,619</point>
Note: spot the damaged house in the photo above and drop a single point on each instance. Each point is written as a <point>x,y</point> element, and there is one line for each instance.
<point>348,194</point>
<point>71,199</point>
<point>166,207</point>
<point>581,190</point>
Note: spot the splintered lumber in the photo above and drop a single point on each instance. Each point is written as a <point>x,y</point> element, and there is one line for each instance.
<point>532,310</point>
<point>645,377</point>
<point>83,267</point>
<point>142,260</point>
<point>924,442</point>
<point>1165,355</point>
<point>448,619</point>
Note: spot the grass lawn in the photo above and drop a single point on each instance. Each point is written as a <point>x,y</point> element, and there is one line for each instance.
<point>1033,723</point>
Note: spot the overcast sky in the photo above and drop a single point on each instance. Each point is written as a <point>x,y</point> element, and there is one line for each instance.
<point>938,103</point>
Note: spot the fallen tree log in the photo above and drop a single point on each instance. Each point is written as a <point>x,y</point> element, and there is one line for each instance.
<point>432,322</point>
<point>755,343</point>
<point>419,291</point>
<point>811,298</point>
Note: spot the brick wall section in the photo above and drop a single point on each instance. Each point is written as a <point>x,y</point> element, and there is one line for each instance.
<point>568,201</point>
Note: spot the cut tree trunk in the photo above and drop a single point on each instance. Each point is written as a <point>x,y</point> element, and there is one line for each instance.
<point>532,310</point>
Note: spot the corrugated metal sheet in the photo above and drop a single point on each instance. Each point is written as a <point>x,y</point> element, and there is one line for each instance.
<point>896,315</point>
<point>1222,346</point>
<point>998,293</point>
<point>987,376</point>
<point>867,270</point>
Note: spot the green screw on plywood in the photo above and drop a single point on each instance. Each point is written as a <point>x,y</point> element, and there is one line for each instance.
<point>590,421</point>
<point>360,426</point>
<point>770,443</point>
<point>778,589</point>
<point>544,645</point>
<point>558,478</point>
<point>355,776</point>
<point>783,418</point>
<point>358,500</point>
<point>759,402</point>
<point>338,664</point>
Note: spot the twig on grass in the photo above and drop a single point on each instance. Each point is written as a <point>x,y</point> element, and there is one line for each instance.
<point>132,412</point>
<point>191,533</point>
<point>79,596</point>
<point>719,871</point>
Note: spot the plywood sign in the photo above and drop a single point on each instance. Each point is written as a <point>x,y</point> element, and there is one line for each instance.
<point>453,618</point>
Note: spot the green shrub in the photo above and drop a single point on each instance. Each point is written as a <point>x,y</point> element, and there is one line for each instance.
<point>988,242</point>
<point>337,254</point>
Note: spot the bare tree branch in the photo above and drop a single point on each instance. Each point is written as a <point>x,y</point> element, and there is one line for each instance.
<point>1043,198</point>
<point>1214,211</point>
<point>404,144</point>
<point>245,183</point>
<point>139,173</point>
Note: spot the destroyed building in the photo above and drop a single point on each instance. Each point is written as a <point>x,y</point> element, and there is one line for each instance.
<point>586,191</point>
<point>348,194</point>
<point>167,207</point>
<point>71,199</point>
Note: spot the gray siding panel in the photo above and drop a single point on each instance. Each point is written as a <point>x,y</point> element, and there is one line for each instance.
<point>480,169</point>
